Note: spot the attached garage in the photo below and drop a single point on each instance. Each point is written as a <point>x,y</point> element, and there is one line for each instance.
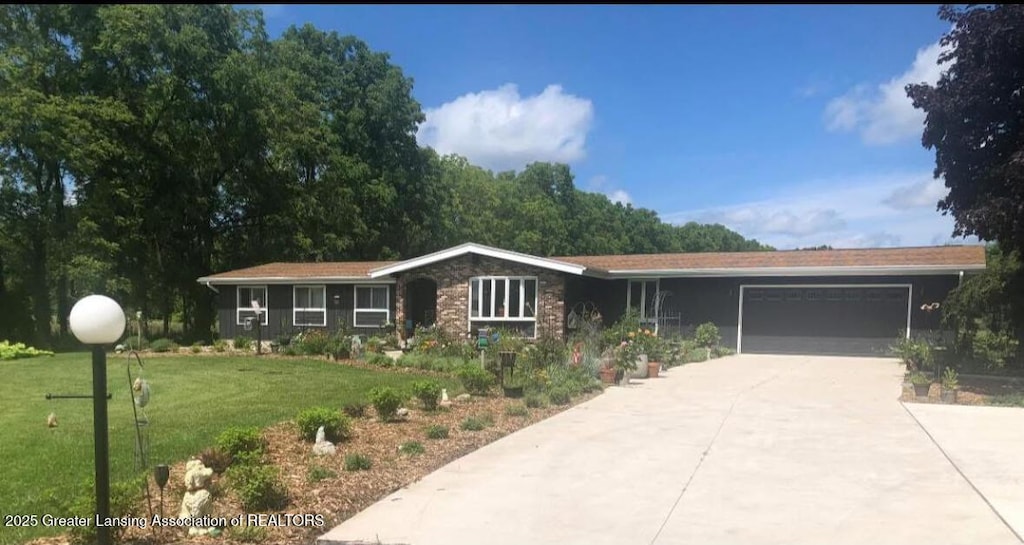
<point>824,319</point>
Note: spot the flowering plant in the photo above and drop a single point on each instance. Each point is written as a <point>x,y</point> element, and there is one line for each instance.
<point>625,355</point>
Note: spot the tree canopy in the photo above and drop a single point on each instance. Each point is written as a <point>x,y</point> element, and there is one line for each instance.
<point>144,146</point>
<point>975,121</point>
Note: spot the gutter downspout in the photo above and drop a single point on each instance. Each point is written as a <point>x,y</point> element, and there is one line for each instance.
<point>961,282</point>
<point>215,290</point>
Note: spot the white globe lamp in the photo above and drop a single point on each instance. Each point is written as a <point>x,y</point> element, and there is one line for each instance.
<point>97,319</point>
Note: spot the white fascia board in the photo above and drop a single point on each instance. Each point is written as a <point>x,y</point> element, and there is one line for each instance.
<point>471,248</point>
<point>797,271</point>
<point>274,280</point>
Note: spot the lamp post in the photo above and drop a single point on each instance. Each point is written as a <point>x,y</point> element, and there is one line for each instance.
<point>97,320</point>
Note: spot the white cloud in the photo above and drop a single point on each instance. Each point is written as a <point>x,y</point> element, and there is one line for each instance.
<point>853,212</point>
<point>925,193</point>
<point>601,184</point>
<point>501,130</point>
<point>885,114</point>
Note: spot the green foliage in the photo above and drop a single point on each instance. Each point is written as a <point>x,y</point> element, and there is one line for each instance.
<point>163,345</point>
<point>534,400</point>
<point>411,448</point>
<point>248,534</point>
<point>475,423</point>
<point>994,348</point>
<point>240,442</point>
<point>125,499</point>
<point>437,431</point>
<point>258,487</point>
<point>548,351</point>
<point>517,410</point>
<point>559,396</point>
<point>430,362</point>
<point>196,348</point>
<point>15,351</point>
<point>336,426</point>
<point>380,360</point>
<point>475,380</point>
<point>915,353</point>
<point>357,462</point>
<point>950,379</point>
<point>1007,400</point>
<point>618,333</point>
<point>386,401</point>
<point>428,392</point>
<point>721,352</point>
<point>918,378</point>
<point>707,335</point>
<point>314,342</point>
<point>241,342</point>
<point>220,345</point>
<point>355,409</point>
<point>316,474</point>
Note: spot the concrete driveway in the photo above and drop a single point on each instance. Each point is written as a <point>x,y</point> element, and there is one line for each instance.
<point>746,449</point>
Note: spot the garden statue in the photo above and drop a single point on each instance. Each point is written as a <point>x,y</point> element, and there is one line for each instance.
<point>196,503</point>
<point>323,446</point>
<point>445,402</point>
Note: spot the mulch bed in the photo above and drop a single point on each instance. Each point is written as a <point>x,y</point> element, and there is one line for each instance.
<point>342,496</point>
<point>974,390</point>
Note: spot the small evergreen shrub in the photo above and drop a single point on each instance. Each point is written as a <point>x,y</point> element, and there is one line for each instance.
<point>220,345</point>
<point>318,473</point>
<point>258,487</point>
<point>517,410</point>
<point>477,422</point>
<point>357,462</point>
<point>475,380</point>
<point>437,431</point>
<point>559,396</point>
<point>336,425</point>
<point>428,392</point>
<point>411,447</point>
<point>241,342</point>
<point>242,443</point>
<point>386,400</point>
<point>197,347</point>
<point>534,400</point>
<point>163,345</point>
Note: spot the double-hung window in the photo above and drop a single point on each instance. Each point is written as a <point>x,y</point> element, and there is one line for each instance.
<point>371,307</point>
<point>309,306</point>
<point>244,308</point>
<point>507,301</point>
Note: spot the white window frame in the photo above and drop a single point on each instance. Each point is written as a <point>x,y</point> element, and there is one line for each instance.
<point>239,307</point>
<point>494,304</point>
<point>296,310</point>
<point>643,299</point>
<point>355,304</point>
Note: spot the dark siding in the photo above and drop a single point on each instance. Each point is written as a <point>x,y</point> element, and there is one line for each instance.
<point>340,302</point>
<point>609,296</point>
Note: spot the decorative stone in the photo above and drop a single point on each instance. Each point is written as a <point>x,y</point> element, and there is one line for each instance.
<point>323,447</point>
<point>402,412</point>
<point>462,398</point>
<point>196,503</point>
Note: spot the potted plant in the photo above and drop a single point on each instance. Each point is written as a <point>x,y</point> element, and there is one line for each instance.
<point>921,383</point>
<point>656,354</point>
<point>707,336</point>
<point>950,385</point>
<point>626,358</point>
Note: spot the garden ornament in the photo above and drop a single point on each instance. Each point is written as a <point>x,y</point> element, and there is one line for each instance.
<point>196,503</point>
<point>322,446</point>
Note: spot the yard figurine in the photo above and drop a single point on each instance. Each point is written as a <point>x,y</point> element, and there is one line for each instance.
<point>196,503</point>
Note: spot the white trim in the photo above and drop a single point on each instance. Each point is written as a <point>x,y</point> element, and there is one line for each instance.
<point>743,287</point>
<point>264,311</point>
<point>797,271</point>
<point>355,304</point>
<point>276,280</point>
<point>297,310</point>
<point>522,300</point>
<point>478,249</point>
<point>643,298</point>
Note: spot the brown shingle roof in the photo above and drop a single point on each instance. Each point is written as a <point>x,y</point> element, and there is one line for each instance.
<point>969,257</point>
<point>334,269</point>
<point>875,257</point>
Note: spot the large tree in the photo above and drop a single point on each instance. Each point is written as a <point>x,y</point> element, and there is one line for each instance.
<point>975,121</point>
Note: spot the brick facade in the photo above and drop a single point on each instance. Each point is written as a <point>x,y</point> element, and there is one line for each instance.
<point>452,277</point>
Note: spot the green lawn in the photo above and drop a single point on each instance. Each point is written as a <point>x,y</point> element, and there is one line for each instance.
<point>193,399</point>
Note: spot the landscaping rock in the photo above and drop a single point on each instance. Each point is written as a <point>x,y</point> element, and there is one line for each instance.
<point>402,412</point>
<point>323,447</point>
<point>462,398</point>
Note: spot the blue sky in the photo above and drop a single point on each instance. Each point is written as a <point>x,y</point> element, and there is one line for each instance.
<point>785,123</point>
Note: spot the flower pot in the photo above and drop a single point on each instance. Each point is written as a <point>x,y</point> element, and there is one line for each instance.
<point>948,396</point>
<point>640,369</point>
<point>653,367</point>
<point>608,375</point>
<point>921,390</point>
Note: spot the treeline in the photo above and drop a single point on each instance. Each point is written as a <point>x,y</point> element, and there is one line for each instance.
<point>143,146</point>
